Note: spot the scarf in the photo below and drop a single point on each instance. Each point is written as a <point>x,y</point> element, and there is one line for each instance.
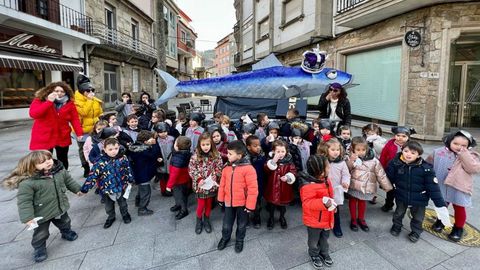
<point>59,102</point>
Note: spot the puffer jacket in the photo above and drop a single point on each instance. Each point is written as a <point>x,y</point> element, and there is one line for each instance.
<point>312,191</point>
<point>44,196</point>
<point>238,185</point>
<point>200,168</point>
<point>89,110</point>
<point>258,162</point>
<point>143,161</point>
<point>178,168</point>
<point>414,183</point>
<point>276,191</point>
<point>365,176</point>
<point>388,153</point>
<point>460,175</point>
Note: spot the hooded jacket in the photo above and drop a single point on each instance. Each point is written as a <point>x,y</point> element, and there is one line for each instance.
<point>89,110</point>
<point>312,191</point>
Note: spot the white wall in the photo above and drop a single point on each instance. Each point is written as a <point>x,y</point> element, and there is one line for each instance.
<point>262,9</point>
<point>145,5</point>
<point>294,30</point>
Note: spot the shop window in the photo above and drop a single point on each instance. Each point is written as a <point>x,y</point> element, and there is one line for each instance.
<point>17,87</point>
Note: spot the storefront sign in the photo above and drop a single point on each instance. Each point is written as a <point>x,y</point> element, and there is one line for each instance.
<point>16,39</point>
<point>413,38</point>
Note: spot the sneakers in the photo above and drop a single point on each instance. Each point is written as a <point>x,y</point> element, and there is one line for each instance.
<point>317,262</point>
<point>181,214</point>
<point>270,223</point>
<point>353,226</point>
<point>175,208</point>
<point>456,234</point>
<point>326,259</point>
<point>238,246</point>
<point>438,226</point>
<point>413,236</point>
<point>108,223</point>
<point>40,254</point>
<point>206,224</point>
<point>145,212</point>
<point>222,244</point>
<point>69,235</point>
<point>199,226</point>
<point>363,225</point>
<point>395,231</point>
<point>127,218</point>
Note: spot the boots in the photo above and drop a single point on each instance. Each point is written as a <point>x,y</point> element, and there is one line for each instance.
<point>40,254</point>
<point>69,235</point>
<point>283,222</point>
<point>199,226</point>
<point>456,234</point>
<point>438,226</point>
<point>206,224</point>
<point>86,170</point>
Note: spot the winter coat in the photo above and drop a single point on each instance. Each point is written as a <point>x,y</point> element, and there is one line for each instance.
<point>200,168</point>
<point>315,213</point>
<point>338,174</point>
<point>342,110</point>
<point>123,110</point>
<point>166,147</point>
<point>132,133</point>
<point>294,150</point>
<point>377,143</point>
<point>148,109</point>
<point>305,153</point>
<point>415,183</point>
<point>89,110</point>
<point>389,151</point>
<point>316,140</point>
<point>88,146</point>
<point>276,191</point>
<point>143,161</point>
<point>44,196</point>
<point>258,162</point>
<point>345,143</point>
<point>111,175</point>
<point>194,134</point>
<point>97,151</point>
<point>365,176</point>
<point>222,149</point>
<point>238,185</point>
<point>51,127</point>
<point>179,168</point>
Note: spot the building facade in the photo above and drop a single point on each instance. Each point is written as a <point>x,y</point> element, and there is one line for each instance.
<point>171,13</point>
<point>186,47</point>
<point>41,42</point>
<point>224,56</point>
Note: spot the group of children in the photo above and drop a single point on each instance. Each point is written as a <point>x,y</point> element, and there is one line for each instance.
<point>267,167</point>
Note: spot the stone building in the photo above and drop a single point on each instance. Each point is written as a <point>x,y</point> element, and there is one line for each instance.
<point>171,13</point>
<point>186,47</point>
<point>432,87</point>
<point>126,55</point>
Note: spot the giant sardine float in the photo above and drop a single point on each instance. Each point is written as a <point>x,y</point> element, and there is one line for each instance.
<point>268,79</point>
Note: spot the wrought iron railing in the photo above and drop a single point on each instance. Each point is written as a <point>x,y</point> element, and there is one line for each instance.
<point>52,11</point>
<point>346,5</point>
<point>116,38</point>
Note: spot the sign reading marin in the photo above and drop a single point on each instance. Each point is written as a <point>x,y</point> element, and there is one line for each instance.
<point>413,38</point>
<point>16,39</point>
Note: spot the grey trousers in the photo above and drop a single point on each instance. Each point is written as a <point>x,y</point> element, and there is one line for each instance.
<point>180,194</point>
<point>41,233</point>
<point>317,241</point>
<point>418,214</point>
<point>143,195</point>
<point>110,206</point>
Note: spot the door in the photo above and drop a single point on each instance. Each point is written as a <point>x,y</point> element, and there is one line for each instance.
<point>110,22</point>
<point>464,96</point>
<point>110,93</point>
<point>135,34</point>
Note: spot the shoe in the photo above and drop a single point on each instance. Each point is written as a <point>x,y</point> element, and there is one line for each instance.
<point>206,224</point>
<point>40,254</point>
<point>238,246</point>
<point>270,223</point>
<point>353,226</point>
<point>283,223</point>
<point>248,223</point>
<point>86,171</point>
<point>374,200</point>
<point>102,200</point>
<point>363,225</point>
<point>137,202</point>
<point>317,262</point>
<point>395,231</point>
<point>175,208</point>
<point>386,207</point>
<point>438,226</point>
<point>326,259</point>
<point>222,244</point>
<point>127,218</point>
<point>145,212</point>
<point>337,231</point>
<point>108,223</point>
<point>257,222</point>
<point>456,234</point>
<point>167,194</point>
<point>199,226</point>
<point>413,236</point>
<point>181,214</point>
<point>69,235</point>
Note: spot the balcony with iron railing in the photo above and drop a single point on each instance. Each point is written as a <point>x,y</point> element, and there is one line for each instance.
<point>52,11</point>
<point>121,41</point>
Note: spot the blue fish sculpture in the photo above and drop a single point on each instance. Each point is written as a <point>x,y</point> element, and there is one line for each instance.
<point>272,82</point>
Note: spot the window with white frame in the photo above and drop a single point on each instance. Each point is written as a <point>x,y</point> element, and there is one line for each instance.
<point>262,31</point>
<point>248,37</point>
<point>135,80</point>
<point>183,37</point>
<point>292,10</point>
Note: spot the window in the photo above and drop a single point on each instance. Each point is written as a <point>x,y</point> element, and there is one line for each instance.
<point>135,80</point>
<point>18,86</point>
<point>183,36</point>
<point>292,11</point>
<point>248,37</point>
<point>263,31</point>
<point>110,94</point>
<point>110,34</point>
<point>135,34</point>
<point>42,6</point>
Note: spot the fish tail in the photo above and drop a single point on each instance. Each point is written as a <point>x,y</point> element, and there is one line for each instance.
<point>171,90</point>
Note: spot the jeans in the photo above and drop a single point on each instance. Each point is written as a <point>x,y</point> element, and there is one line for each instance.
<point>110,206</point>
<point>143,195</point>
<point>229,218</point>
<point>180,194</point>
<point>317,241</point>
<point>62,155</point>
<point>271,209</point>
<point>418,214</point>
<point>41,233</point>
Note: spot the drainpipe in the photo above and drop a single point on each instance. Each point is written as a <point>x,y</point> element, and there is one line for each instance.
<point>85,59</point>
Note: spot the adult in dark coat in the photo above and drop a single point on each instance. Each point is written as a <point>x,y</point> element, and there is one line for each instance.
<point>334,105</point>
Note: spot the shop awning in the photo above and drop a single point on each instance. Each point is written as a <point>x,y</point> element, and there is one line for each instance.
<point>37,63</point>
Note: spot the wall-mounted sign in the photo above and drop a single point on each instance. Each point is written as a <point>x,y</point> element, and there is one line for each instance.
<point>413,38</point>
<point>16,39</point>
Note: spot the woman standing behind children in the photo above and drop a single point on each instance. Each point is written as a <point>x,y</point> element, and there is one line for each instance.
<point>205,165</point>
<point>280,172</point>
<point>455,165</point>
<point>338,174</point>
<point>42,183</point>
<point>366,171</point>
<point>317,206</point>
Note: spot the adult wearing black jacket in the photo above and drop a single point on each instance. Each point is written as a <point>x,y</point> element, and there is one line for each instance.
<point>335,106</point>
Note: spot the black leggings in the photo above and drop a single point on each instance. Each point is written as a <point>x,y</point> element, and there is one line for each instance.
<point>62,155</point>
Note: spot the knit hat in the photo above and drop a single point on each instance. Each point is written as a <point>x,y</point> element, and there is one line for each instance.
<point>325,123</point>
<point>249,128</point>
<point>298,129</point>
<point>404,130</point>
<point>272,125</point>
<point>197,117</point>
<point>83,83</point>
<point>107,133</point>
<point>449,138</point>
<point>213,127</point>
<point>161,127</point>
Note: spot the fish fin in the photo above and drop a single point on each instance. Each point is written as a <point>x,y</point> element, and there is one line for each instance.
<point>171,90</point>
<point>270,61</point>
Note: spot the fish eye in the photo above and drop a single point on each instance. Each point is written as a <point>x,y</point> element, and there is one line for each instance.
<point>332,74</point>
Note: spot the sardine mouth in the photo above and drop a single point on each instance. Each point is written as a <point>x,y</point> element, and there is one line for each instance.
<point>350,83</point>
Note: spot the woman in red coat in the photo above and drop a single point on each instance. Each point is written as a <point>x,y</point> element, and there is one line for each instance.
<point>280,171</point>
<point>54,112</point>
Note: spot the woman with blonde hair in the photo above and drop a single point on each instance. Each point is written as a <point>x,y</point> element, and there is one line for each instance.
<point>54,114</point>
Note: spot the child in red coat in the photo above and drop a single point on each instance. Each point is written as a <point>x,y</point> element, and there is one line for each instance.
<point>318,208</point>
<point>280,171</point>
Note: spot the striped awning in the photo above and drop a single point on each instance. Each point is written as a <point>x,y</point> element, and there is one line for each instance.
<point>37,63</point>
